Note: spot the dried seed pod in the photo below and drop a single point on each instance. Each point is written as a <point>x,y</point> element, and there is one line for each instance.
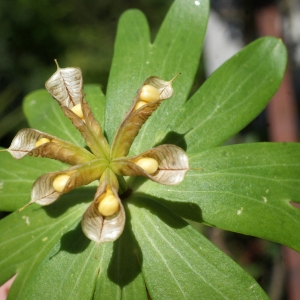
<point>172,165</point>
<point>148,164</point>
<point>100,228</point>
<point>66,87</point>
<point>149,93</point>
<point>138,114</point>
<point>33,142</point>
<point>60,182</point>
<point>41,141</point>
<point>49,187</point>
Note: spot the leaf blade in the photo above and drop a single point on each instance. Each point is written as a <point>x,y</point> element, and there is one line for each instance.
<point>179,263</point>
<point>243,188</point>
<point>169,54</point>
<point>213,114</point>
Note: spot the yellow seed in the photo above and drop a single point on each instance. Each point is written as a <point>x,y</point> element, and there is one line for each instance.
<point>150,165</point>
<point>139,104</point>
<point>78,111</point>
<point>60,182</point>
<point>108,205</point>
<point>149,93</point>
<point>41,142</point>
<point>109,192</point>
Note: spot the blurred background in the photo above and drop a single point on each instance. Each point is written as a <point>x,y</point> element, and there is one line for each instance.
<point>81,33</point>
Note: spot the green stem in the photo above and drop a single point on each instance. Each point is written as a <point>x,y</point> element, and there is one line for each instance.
<point>123,187</point>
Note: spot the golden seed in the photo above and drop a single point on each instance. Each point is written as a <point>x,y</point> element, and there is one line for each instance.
<point>150,165</point>
<point>108,205</point>
<point>41,142</point>
<point>60,182</point>
<point>149,93</point>
<point>139,104</point>
<point>77,110</point>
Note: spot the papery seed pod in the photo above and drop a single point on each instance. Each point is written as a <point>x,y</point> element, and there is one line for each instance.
<point>33,142</point>
<point>138,115</point>
<point>172,165</point>
<point>100,228</point>
<point>49,187</point>
<point>163,87</point>
<point>65,86</point>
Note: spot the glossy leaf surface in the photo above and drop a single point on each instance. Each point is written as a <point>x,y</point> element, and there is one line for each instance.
<point>158,251</point>
<point>242,188</point>
<point>191,268</point>
<point>225,103</point>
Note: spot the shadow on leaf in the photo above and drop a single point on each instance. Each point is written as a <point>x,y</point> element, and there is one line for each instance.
<point>174,138</point>
<point>74,241</point>
<point>127,258</point>
<point>77,196</point>
<point>126,261</point>
<point>164,209</point>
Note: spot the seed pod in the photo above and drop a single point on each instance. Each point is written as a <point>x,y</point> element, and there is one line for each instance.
<point>60,182</point>
<point>138,114</point>
<point>148,164</point>
<point>33,142</point>
<point>41,141</point>
<point>66,87</point>
<point>149,93</point>
<point>95,225</point>
<point>172,165</point>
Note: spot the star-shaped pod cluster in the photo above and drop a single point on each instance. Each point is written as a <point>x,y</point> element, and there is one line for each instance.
<point>104,219</point>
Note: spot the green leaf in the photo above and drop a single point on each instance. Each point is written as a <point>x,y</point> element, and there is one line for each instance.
<point>179,263</point>
<point>61,265</point>
<point>120,272</point>
<point>53,121</point>
<point>96,100</point>
<point>242,188</point>
<point>177,48</point>
<point>17,177</point>
<point>231,98</point>
<point>28,236</point>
